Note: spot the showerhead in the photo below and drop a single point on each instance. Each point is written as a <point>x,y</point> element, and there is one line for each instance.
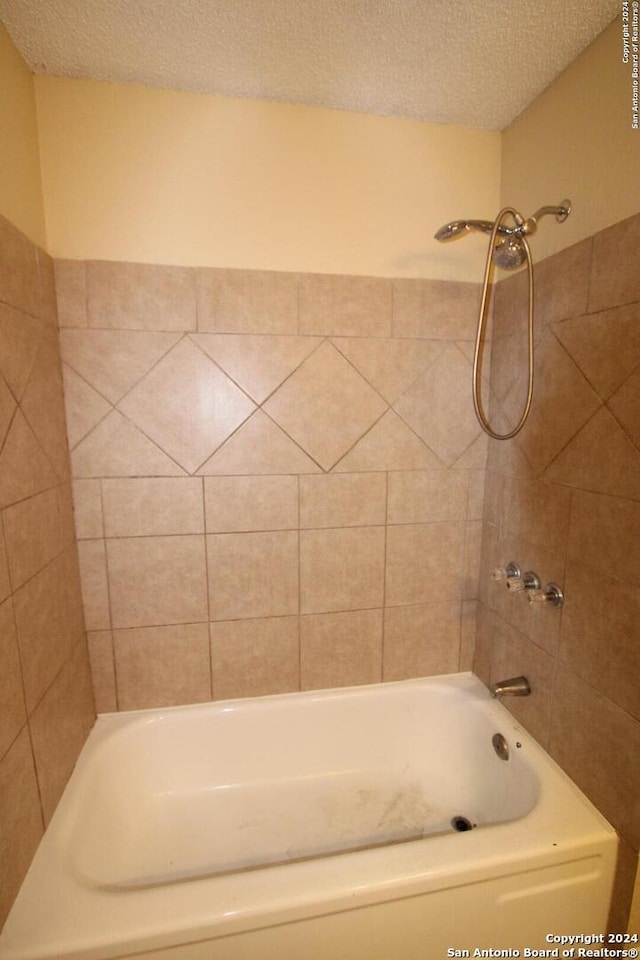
<point>457,227</point>
<point>509,253</point>
<point>451,230</point>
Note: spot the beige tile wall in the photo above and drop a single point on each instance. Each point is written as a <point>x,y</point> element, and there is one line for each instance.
<point>563,498</point>
<point>46,701</point>
<point>278,479</point>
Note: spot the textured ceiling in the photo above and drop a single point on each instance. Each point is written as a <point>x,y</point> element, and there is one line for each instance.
<point>477,64</point>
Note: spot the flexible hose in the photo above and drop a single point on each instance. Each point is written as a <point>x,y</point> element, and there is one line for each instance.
<point>477,401</point>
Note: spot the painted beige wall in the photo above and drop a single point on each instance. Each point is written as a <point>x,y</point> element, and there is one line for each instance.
<point>134,173</point>
<point>157,176</point>
<point>20,187</point>
<point>576,141</point>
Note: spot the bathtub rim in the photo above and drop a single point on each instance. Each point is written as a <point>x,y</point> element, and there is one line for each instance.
<point>347,877</point>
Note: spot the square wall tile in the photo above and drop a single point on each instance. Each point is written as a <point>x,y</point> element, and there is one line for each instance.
<point>345,306</point>
<point>325,406</point>
<point>157,580</point>
<point>247,301</point>
<point>340,649</point>
<point>437,309</point>
<point>162,666</point>
<point>140,296</point>
<point>151,506</point>
<point>87,509</point>
<point>93,580</point>
<point>254,658</point>
<point>421,640</point>
<point>343,500</point>
<point>187,405</point>
<point>424,563</point>
<point>237,504</point>
<point>341,569</point>
<point>252,575</point>
<point>424,496</point>
<point>21,825</point>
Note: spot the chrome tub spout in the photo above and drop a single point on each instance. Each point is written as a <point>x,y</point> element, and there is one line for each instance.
<point>513,687</point>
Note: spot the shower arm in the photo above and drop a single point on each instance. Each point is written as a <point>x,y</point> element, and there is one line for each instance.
<point>561,212</point>
<point>522,227</point>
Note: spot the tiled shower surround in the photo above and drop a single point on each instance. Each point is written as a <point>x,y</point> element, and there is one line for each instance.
<point>563,499</point>
<point>46,702</point>
<point>279,485</point>
<point>278,478</point>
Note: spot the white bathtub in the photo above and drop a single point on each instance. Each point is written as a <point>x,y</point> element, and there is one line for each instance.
<point>313,826</point>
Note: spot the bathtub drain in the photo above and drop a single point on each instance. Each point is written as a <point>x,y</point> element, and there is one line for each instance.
<point>461,824</point>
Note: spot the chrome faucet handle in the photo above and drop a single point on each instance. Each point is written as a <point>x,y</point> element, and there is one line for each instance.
<point>503,573</point>
<point>515,584</point>
<point>551,593</point>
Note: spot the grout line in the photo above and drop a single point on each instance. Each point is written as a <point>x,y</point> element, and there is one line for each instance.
<point>109,602</point>
<point>207,586</point>
<point>299,589</point>
<point>278,616</point>
<point>253,530</point>
<point>384,576</point>
<point>27,714</point>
